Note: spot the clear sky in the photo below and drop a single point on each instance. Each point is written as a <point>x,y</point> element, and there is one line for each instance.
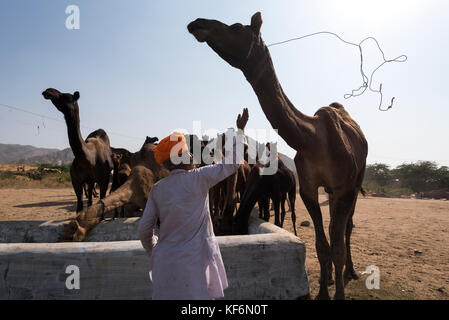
<point>139,71</point>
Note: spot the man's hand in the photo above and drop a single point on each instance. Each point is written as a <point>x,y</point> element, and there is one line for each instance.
<point>242,119</point>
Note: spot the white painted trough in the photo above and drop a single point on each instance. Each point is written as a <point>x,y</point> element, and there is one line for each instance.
<point>269,263</point>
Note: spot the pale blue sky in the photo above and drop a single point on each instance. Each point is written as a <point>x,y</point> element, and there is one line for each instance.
<point>141,73</point>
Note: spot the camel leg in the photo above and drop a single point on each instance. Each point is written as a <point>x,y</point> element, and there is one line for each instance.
<point>259,202</point>
<point>292,199</point>
<point>264,213</point>
<point>276,203</point>
<point>310,199</point>
<point>90,189</point>
<point>85,191</point>
<point>349,273</point>
<point>283,198</point>
<point>265,202</point>
<point>103,189</point>
<point>78,187</point>
<point>340,213</point>
<point>266,209</point>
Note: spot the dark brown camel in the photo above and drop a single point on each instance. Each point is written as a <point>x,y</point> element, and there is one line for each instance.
<point>331,146</point>
<point>92,163</point>
<point>119,156</point>
<point>284,196</point>
<point>224,194</point>
<point>260,188</point>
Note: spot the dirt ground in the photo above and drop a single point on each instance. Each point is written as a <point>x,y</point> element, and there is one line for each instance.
<point>407,239</point>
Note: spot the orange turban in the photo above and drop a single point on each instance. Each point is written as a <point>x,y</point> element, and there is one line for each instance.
<point>163,149</point>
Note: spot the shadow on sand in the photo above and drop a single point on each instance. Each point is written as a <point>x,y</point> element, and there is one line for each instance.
<point>66,205</point>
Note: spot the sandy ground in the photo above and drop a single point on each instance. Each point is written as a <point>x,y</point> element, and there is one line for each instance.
<point>406,238</point>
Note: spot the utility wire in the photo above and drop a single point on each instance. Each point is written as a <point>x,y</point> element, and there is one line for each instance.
<point>366,81</point>
<point>59,120</point>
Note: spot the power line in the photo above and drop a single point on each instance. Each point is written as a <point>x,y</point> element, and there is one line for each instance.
<point>59,120</point>
<point>367,81</point>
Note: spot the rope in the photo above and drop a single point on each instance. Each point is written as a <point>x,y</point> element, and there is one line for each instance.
<point>367,81</point>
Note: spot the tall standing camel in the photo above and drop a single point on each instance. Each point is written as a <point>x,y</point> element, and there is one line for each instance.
<point>331,148</point>
<point>92,163</point>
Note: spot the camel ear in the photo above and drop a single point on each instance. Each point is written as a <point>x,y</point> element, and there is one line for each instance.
<point>76,95</point>
<point>256,22</point>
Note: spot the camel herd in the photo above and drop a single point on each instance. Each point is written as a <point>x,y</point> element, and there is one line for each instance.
<point>96,162</point>
<point>331,153</point>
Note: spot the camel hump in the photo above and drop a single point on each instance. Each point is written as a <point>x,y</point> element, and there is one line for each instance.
<point>336,105</point>
<point>99,133</point>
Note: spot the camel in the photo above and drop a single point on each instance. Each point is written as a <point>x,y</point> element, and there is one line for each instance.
<point>224,195</point>
<point>284,196</point>
<point>120,157</point>
<point>135,190</point>
<point>123,160</point>
<point>92,163</point>
<point>260,188</point>
<point>152,140</point>
<point>331,147</point>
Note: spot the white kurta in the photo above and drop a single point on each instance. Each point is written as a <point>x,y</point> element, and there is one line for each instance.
<point>185,262</point>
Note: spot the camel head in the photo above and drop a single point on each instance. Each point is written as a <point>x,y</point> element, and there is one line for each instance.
<point>116,159</point>
<point>235,43</point>
<point>256,185</point>
<point>152,140</point>
<point>64,102</point>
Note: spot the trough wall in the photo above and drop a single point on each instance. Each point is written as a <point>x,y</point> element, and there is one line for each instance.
<point>269,263</point>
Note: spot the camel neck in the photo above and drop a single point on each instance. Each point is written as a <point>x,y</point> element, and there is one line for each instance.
<point>75,139</point>
<point>293,126</point>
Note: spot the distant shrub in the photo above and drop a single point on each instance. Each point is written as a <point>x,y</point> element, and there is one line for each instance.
<point>62,168</point>
<point>7,175</point>
<point>64,177</point>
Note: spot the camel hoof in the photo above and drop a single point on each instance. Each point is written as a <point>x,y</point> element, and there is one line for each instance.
<point>350,275</point>
<point>340,296</point>
<point>322,296</point>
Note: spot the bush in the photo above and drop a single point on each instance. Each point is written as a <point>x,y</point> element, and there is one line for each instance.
<point>7,175</point>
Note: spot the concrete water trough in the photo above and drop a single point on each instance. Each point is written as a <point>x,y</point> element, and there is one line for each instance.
<point>269,263</point>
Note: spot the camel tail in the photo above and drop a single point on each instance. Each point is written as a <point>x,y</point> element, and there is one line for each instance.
<point>363,192</point>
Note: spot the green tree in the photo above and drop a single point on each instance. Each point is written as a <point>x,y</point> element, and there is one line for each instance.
<point>378,174</point>
<point>419,176</point>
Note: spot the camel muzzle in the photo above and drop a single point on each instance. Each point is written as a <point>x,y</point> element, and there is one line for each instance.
<point>198,29</point>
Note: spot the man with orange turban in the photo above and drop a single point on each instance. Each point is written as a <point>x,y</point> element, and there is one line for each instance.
<point>185,261</point>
